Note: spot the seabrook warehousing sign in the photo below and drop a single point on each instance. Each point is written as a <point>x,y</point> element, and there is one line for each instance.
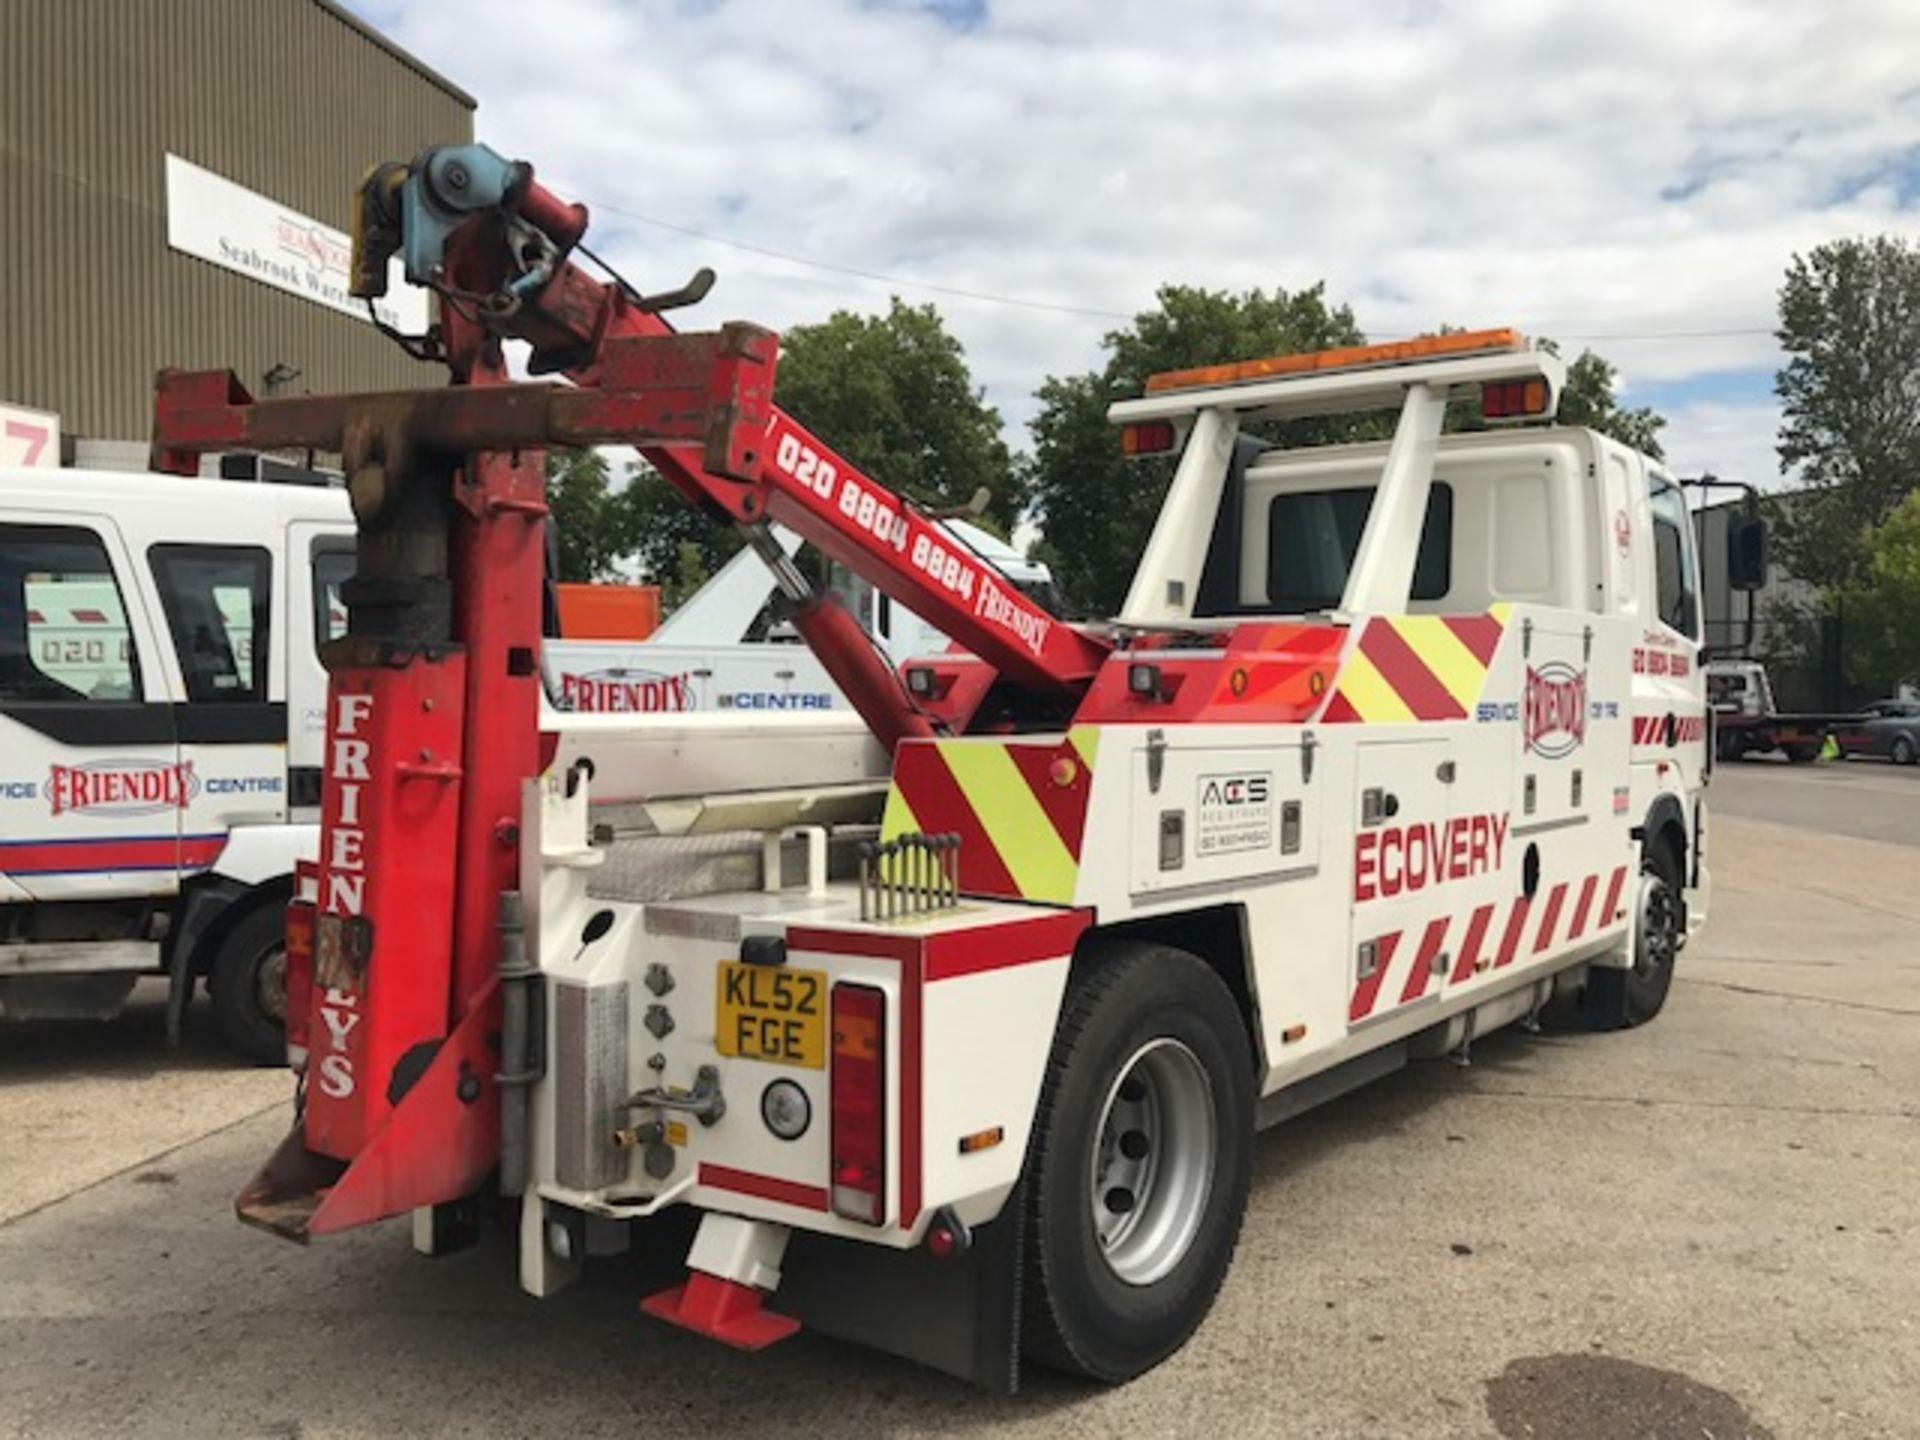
<point>211,217</point>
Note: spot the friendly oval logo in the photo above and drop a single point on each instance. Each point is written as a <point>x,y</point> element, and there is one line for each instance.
<point>1553,710</point>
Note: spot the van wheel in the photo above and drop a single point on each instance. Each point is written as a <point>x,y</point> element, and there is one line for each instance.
<point>1141,1158</point>
<point>249,984</point>
<point>1621,999</point>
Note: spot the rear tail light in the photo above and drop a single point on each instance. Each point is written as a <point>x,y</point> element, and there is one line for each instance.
<point>858,1141</point>
<point>299,972</point>
<point>1513,400</point>
<point>1147,437</point>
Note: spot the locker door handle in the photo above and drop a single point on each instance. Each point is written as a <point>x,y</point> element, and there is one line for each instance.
<point>1377,804</point>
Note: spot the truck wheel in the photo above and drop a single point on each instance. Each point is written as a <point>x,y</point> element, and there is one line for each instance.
<point>1803,754</point>
<point>1733,745</point>
<point>1141,1159</point>
<point>1902,751</point>
<point>249,984</point>
<point>1621,999</point>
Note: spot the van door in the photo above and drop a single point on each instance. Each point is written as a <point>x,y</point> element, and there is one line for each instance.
<point>225,619</point>
<point>92,786</point>
<point>320,559</point>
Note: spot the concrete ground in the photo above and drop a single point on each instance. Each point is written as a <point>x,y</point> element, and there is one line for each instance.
<point>1708,1227</point>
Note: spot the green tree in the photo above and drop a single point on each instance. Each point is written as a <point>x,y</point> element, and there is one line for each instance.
<point>1588,398</point>
<point>1849,399</point>
<point>594,526</point>
<point>894,395</point>
<point>1883,638</point>
<point>677,545</point>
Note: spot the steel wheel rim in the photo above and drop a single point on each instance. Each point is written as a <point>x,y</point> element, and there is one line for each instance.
<point>1153,1160</point>
<point>1658,924</point>
<point>270,983</point>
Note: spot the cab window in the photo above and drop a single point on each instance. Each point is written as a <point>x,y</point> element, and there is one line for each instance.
<point>333,562</point>
<point>63,625</point>
<point>1675,590</point>
<point>1313,535</point>
<point>216,599</point>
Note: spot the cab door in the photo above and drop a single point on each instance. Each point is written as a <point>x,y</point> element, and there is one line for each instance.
<point>92,786</point>
<point>225,617</point>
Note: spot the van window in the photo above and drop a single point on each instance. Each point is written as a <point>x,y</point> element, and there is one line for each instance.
<point>333,562</point>
<point>216,599</point>
<point>1675,590</point>
<point>63,626</point>
<point>1313,535</point>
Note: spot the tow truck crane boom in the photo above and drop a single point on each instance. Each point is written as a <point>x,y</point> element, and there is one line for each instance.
<point>495,244</point>
<point>433,707</point>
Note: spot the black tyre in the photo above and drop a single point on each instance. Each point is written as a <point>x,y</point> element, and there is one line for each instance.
<point>1733,745</point>
<point>1621,999</point>
<point>1803,754</point>
<point>1902,751</point>
<point>1142,1154</point>
<point>249,983</point>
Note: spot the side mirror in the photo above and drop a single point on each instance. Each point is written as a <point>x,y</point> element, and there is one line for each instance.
<point>1746,552</point>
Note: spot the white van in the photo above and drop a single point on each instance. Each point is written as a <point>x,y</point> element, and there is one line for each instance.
<point>161,699</point>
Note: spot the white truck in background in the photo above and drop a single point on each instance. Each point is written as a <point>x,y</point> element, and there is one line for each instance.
<point>161,711</point>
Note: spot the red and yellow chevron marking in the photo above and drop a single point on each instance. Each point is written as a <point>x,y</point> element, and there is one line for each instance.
<point>1407,668</point>
<point>1019,807</point>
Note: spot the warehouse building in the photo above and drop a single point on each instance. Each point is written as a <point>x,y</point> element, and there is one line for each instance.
<point>176,179</point>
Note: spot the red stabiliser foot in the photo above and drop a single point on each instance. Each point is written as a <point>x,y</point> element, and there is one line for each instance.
<point>722,1310</point>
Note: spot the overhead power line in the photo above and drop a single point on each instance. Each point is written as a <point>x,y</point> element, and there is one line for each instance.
<point>1025,302</point>
<point>770,253</point>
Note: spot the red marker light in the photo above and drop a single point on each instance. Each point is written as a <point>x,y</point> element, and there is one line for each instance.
<point>1147,437</point>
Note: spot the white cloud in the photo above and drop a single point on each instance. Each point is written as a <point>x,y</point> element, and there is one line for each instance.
<point>1578,169</point>
<point>1734,442</point>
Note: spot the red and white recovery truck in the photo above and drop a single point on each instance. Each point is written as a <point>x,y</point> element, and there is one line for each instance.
<point>1372,762</point>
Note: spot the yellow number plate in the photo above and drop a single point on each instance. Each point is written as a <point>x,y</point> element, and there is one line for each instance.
<point>769,1012</point>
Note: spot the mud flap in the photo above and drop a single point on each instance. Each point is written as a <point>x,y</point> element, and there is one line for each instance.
<point>960,1316</point>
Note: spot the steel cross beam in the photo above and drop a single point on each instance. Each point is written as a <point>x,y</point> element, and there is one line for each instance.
<point>713,390</point>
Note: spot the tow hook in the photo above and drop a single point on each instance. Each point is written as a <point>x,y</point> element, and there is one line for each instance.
<point>704,1102</point>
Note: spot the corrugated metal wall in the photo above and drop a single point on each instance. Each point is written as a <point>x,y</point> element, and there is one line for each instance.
<point>286,97</point>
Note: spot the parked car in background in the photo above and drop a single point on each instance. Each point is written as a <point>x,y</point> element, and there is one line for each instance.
<point>1890,728</point>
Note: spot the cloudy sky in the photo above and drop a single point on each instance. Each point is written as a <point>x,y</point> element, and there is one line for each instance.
<point>1630,175</point>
